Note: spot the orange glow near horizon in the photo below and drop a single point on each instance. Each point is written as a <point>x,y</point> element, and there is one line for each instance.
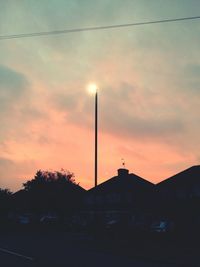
<point>65,149</point>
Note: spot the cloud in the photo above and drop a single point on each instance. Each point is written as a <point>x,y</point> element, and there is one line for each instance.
<point>124,110</point>
<point>12,170</point>
<point>138,117</point>
<point>12,86</point>
<point>14,89</point>
<point>67,100</point>
<point>20,108</point>
<point>15,103</point>
<point>193,69</point>
<point>192,78</point>
<point>5,163</point>
<point>127,125</point>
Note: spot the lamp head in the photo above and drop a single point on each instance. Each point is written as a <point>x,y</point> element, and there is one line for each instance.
<point>92,88</point>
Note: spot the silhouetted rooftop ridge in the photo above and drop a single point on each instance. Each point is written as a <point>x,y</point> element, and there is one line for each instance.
<point>123,177</point>
<point>191,172</point>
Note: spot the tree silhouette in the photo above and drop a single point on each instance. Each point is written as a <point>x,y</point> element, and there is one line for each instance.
<point>49,179</point>
<point>5,201</point>
<point>53,191</point>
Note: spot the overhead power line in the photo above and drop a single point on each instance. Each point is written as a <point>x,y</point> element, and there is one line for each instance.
<point>96,28</point>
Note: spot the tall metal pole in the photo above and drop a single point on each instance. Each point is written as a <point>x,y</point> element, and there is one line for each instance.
<point>96,139</point>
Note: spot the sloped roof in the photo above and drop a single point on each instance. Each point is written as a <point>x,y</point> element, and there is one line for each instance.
<point>185,178</point>
<point>127,182</point>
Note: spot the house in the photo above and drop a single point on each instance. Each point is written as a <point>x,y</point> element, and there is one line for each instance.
<point>179,198</point>
<point>125,197</point>
<point>184,185</point>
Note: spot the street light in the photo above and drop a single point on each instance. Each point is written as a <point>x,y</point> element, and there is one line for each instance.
<point>92,88</point>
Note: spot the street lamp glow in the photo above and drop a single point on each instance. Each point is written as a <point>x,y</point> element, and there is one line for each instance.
<point>92,88</point>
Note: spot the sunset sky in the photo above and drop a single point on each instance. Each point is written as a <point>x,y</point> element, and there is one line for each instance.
<point>149,80</point>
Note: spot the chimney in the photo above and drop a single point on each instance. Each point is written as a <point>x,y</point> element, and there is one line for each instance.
<point>122,172</point>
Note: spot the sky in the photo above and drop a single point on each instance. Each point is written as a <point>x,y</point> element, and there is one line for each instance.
<point>149,89</point>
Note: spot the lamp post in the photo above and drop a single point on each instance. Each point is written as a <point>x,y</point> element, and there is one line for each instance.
<point>94,90</point>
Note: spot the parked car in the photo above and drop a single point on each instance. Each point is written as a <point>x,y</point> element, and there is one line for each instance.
<point>161,226</point>
<point>49,219</point>
<point>24,219</point>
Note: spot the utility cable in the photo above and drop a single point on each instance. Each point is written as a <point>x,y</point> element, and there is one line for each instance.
<point>65,31</point>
